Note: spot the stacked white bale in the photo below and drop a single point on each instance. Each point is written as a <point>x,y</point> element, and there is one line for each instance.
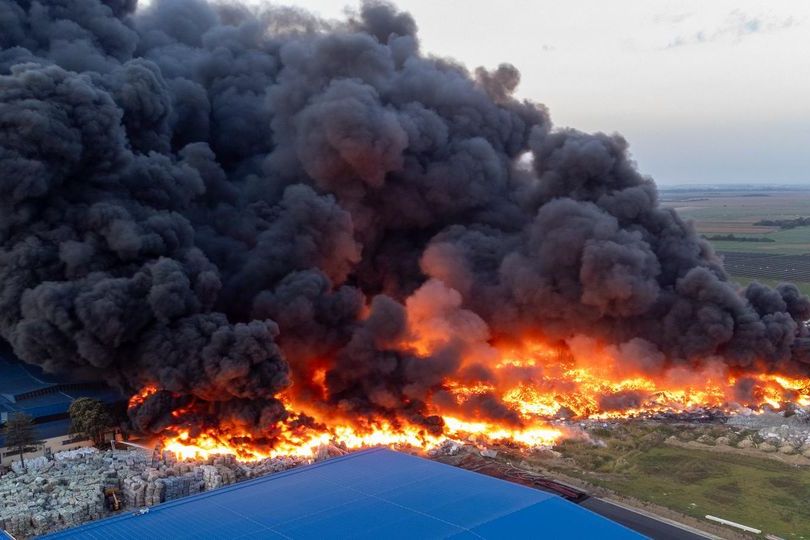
<point>78,453</point>
<point>69,489</point>
<point>212,479</point>
<point>133,492</point>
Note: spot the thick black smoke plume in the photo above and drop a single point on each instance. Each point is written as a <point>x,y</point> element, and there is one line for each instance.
<point>215,199</point>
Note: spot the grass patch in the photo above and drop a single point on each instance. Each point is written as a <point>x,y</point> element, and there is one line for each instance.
<point>729,212</point>
<point>785,242</point>
<point>725,211</point>
<point>762,493</point>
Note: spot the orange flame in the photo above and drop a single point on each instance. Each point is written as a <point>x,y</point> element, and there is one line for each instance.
<point>142,395</point>
<point>536,381</point>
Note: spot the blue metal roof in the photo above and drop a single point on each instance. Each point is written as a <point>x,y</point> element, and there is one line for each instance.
<point>15,379</point>
<point>26,388</point>
<point>371,494</point>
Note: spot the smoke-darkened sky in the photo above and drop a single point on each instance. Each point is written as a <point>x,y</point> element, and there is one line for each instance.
<point>705,92</point>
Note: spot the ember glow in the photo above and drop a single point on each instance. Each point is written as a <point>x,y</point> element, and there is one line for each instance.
<point>138,399</point>
<point>539,383</point>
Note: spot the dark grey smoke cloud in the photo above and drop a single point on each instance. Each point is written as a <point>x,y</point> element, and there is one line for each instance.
<point>219,199</point>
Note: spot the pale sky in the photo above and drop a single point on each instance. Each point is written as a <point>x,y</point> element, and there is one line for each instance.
<point>705,91</point>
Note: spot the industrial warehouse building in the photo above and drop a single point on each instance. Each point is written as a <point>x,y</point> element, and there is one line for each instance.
<point>27,389</point>
<point>375,493</point>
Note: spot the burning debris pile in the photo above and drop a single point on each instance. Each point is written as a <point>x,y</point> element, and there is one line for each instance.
<point>277,231</point>
<point>70,488</point>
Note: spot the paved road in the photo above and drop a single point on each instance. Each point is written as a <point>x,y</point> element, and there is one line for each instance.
<point>646,525</point>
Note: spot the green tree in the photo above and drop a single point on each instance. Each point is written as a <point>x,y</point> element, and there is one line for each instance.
<point>89,417</point>
<point>20,435</point>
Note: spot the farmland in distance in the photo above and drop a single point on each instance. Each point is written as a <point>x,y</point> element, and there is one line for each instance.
<point>729,218</point>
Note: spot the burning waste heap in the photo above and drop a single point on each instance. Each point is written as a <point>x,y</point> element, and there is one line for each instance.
<point>274,230</point>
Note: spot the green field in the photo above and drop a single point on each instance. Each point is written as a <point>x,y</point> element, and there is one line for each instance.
<point>736,211</point>
<point>719,212</point>
<point>758,492</point>
<point>723,212</point>
<point>786,242</point>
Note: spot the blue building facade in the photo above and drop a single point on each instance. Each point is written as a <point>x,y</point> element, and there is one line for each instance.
<point>27,389</point>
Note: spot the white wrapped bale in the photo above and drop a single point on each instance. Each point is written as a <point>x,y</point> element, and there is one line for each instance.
<point>69,489</point>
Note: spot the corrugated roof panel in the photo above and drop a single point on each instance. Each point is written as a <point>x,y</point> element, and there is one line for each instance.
<point>371,494</point>
<point>25,388</point>
<point>15,380</point>
<point>548,519</point>
<point>42,400</point>
<point>6,405</point>
<point>107,395</point>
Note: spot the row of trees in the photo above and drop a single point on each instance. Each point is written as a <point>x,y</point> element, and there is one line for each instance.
<point>785,224</point>
<point>734,238</point>
<point>89,418</point>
